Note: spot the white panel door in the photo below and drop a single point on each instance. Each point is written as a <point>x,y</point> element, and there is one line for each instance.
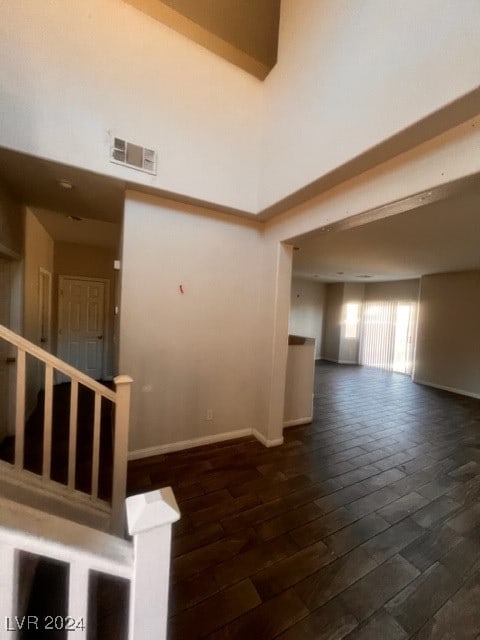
<point>81,322</point>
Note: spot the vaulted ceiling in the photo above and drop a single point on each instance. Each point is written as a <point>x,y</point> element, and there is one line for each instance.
<point>244,33</point>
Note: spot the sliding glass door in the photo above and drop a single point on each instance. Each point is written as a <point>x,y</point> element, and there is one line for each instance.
<point>387,335</point>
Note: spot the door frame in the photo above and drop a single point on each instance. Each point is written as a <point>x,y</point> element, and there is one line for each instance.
<point>45,279</point>
<point>106,312</point>
<point>16,287</point>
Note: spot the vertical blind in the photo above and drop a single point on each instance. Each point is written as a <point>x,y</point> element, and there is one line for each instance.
<point>386,335</point>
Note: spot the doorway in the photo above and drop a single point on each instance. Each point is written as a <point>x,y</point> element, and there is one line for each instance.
<point>45,308</point>
<point>5,297</point>
<point>82,327</point>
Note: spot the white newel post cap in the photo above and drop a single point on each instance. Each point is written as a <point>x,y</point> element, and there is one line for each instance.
<point>151,510</point>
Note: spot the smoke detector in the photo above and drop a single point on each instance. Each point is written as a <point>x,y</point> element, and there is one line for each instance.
<point>65,183</point>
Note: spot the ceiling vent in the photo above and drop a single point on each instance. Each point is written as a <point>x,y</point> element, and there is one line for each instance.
<point>133,156</point>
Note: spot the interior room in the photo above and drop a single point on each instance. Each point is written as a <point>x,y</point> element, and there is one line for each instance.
<point>400,294</point>
<point>239,310</point>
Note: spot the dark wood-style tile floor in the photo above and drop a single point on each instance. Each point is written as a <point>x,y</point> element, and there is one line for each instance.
<point>364,525</point>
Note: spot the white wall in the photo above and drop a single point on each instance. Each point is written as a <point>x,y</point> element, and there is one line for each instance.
<point>448,343</point>
<point>388,188</point>
<point>307,310</point>
<point>351,74</point>
<point>392,290</point>
<point>71,71</point>
<point>203,348</point>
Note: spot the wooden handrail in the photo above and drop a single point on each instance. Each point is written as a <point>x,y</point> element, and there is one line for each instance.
<point>120,397</point>
<point>56,363</point>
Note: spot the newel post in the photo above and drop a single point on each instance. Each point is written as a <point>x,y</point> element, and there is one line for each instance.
<point>150,517</point>
<point>120,452</point>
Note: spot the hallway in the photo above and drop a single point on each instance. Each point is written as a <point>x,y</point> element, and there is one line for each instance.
<point>363,525</point>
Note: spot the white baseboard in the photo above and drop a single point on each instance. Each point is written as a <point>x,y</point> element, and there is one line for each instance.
<point>297,421</point>
<point>339,361</point>
<point>267,443</point>
<point>137,454</point>
<point>460,392</point>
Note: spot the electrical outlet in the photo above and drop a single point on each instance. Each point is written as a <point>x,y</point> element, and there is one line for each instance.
<point>209,414</point>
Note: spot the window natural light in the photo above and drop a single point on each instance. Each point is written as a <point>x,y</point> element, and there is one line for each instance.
<point>387,335</point>
<point>352,312</point>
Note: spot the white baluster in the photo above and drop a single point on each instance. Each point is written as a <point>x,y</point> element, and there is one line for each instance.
<point>72,435</point>
<point>8,590</point>
<point>120,452</point>
<point>47,422</point>
<point>20,410</point>
<point>78,585</point>
<point>96,443</point>
<point>150,517</point>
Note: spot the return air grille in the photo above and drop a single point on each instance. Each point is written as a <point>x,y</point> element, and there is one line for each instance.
<point>133,156</point>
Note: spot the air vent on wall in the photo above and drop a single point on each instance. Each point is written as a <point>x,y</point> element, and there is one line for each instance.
<point>133,156</point>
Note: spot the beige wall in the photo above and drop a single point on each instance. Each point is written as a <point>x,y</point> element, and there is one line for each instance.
<point>11,225</point>
<point>307,310</point>
<point>38,254</point>
<point>336,346</point>
<point>394,290</point>
<point>448,342</point>
<point>197,350</point>
<point>89,262</point>
<point>331,330</point>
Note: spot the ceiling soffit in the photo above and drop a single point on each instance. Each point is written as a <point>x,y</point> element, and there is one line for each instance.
<point>244,33</point>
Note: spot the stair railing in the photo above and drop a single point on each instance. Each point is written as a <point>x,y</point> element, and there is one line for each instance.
<point>145,564</point>
<point>120,398</point>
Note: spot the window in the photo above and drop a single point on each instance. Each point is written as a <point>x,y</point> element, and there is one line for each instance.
<point>352,310</point>
<point>387,335</point>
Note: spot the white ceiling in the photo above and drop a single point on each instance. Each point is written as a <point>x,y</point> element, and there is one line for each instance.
<point>438,237</point>
<point>65,228</point>
<point>97,200</point>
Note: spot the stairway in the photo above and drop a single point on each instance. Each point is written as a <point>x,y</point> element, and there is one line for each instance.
<point>62,486</point>
<point>70,456</point>
<point>34,432</point>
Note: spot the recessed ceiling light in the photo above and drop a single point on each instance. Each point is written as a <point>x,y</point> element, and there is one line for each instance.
<point>65,184</point>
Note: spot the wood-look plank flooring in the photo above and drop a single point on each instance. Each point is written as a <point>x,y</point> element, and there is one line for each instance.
<point>364,525</point>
